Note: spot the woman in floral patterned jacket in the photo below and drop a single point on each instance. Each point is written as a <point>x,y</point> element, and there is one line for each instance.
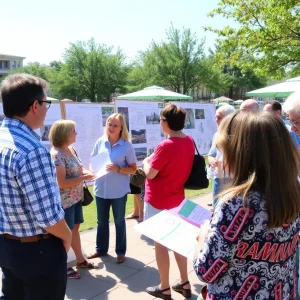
<point>248,249</point>
<point>70,177</point>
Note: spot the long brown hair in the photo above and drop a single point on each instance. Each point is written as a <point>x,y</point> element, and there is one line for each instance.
<point>261,156</point>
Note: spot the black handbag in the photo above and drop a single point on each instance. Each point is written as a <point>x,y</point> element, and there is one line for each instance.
<point>198,178</point>
<point>87,196</point>
<point>138,178</point>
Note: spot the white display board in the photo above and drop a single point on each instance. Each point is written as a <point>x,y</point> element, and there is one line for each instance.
<point>53,114</point>
<point>200,123</point>
<point>89,119</point>
<point>142,120</point>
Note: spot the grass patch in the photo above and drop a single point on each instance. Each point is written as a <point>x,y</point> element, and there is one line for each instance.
<point>90,212</point>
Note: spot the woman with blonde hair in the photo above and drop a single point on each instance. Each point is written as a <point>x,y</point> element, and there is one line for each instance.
<point>111,190</point>
<point>248,249</point>
<point>70,177</point>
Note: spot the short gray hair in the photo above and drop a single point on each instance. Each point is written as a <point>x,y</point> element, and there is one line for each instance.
<point>292,103</point>
<point>226,110</point>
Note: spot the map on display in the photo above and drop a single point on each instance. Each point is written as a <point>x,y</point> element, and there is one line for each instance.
<point>142,120</point>
<point>53,114</point>
<point>90,120</point>
<point>200,123</point>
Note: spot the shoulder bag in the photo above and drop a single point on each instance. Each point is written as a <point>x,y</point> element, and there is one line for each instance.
<point>197,179</point>
<point>138,178</point>
<point>87,196</point>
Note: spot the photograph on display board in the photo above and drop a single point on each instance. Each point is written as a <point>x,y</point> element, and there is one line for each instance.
<point>106,112</point>
<point>199,113</point>
<point>189,119</point>
<point>141,153</point>
<point>160,105</point>
<point>45,132</point>
<point>124,111</point>
<point>152,118</point>
<point>150,151</point>
<point>138,136</point>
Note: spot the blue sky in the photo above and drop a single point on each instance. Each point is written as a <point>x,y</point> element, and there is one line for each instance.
<point>42,30</point>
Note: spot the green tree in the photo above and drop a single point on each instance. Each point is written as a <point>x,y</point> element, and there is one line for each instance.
<point>228,78</point>
<point>43,71</point>
<point>216,81</point>
<point>56,64</point>
<point>143,73</point>
<point>175,63</point>
<point>40,70</point>
<point>268,31</point>
<point>91,71</point>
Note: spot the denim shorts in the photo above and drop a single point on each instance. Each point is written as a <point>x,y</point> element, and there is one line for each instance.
<point>150,211</point>
<point>74,215</point>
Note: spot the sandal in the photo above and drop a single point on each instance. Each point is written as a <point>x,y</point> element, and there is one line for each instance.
<point>179,289</point>
<point>120,259</point>
<point>156,292</point>
<point>131,216</point>
<point>72,274</point>
<point>85,264</point>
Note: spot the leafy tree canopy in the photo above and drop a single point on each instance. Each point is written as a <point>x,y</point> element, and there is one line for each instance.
<point>174,63</point>
<point>267,35</point>
<point>94,69</point>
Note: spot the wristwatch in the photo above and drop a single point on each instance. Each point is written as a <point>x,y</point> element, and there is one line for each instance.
<point>119,169</point>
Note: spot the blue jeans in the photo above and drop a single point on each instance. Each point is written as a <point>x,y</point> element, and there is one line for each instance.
<point>218,185</point>
<point>118,207</point>
<point>34,271</point>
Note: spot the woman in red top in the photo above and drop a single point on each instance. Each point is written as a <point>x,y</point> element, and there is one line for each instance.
<point>167,170</point>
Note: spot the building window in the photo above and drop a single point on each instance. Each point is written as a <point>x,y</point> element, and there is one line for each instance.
<point>4,64</point>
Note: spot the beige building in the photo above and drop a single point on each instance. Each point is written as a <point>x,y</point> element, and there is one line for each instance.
<point>8,63</point>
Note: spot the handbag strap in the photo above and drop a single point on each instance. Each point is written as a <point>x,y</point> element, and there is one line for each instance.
<point>85,184</point>
<point>75,152</point>
<point>78,158</point>
<point>195,145</point>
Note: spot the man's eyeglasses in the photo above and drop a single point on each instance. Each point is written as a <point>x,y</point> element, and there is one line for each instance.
<point>48,103</point>
<point>295,123</point>
<point>161,119</point>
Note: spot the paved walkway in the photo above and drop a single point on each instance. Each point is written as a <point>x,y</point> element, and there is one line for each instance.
<point>128,280</point>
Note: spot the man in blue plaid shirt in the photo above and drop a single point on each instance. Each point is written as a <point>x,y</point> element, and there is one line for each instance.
<point>34,237</point>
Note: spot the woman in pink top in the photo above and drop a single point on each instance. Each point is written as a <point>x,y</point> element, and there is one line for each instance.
<point>167,170</point>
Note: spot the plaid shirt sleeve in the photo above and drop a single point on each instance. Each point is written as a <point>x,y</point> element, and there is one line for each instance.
<point>37,180</point>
